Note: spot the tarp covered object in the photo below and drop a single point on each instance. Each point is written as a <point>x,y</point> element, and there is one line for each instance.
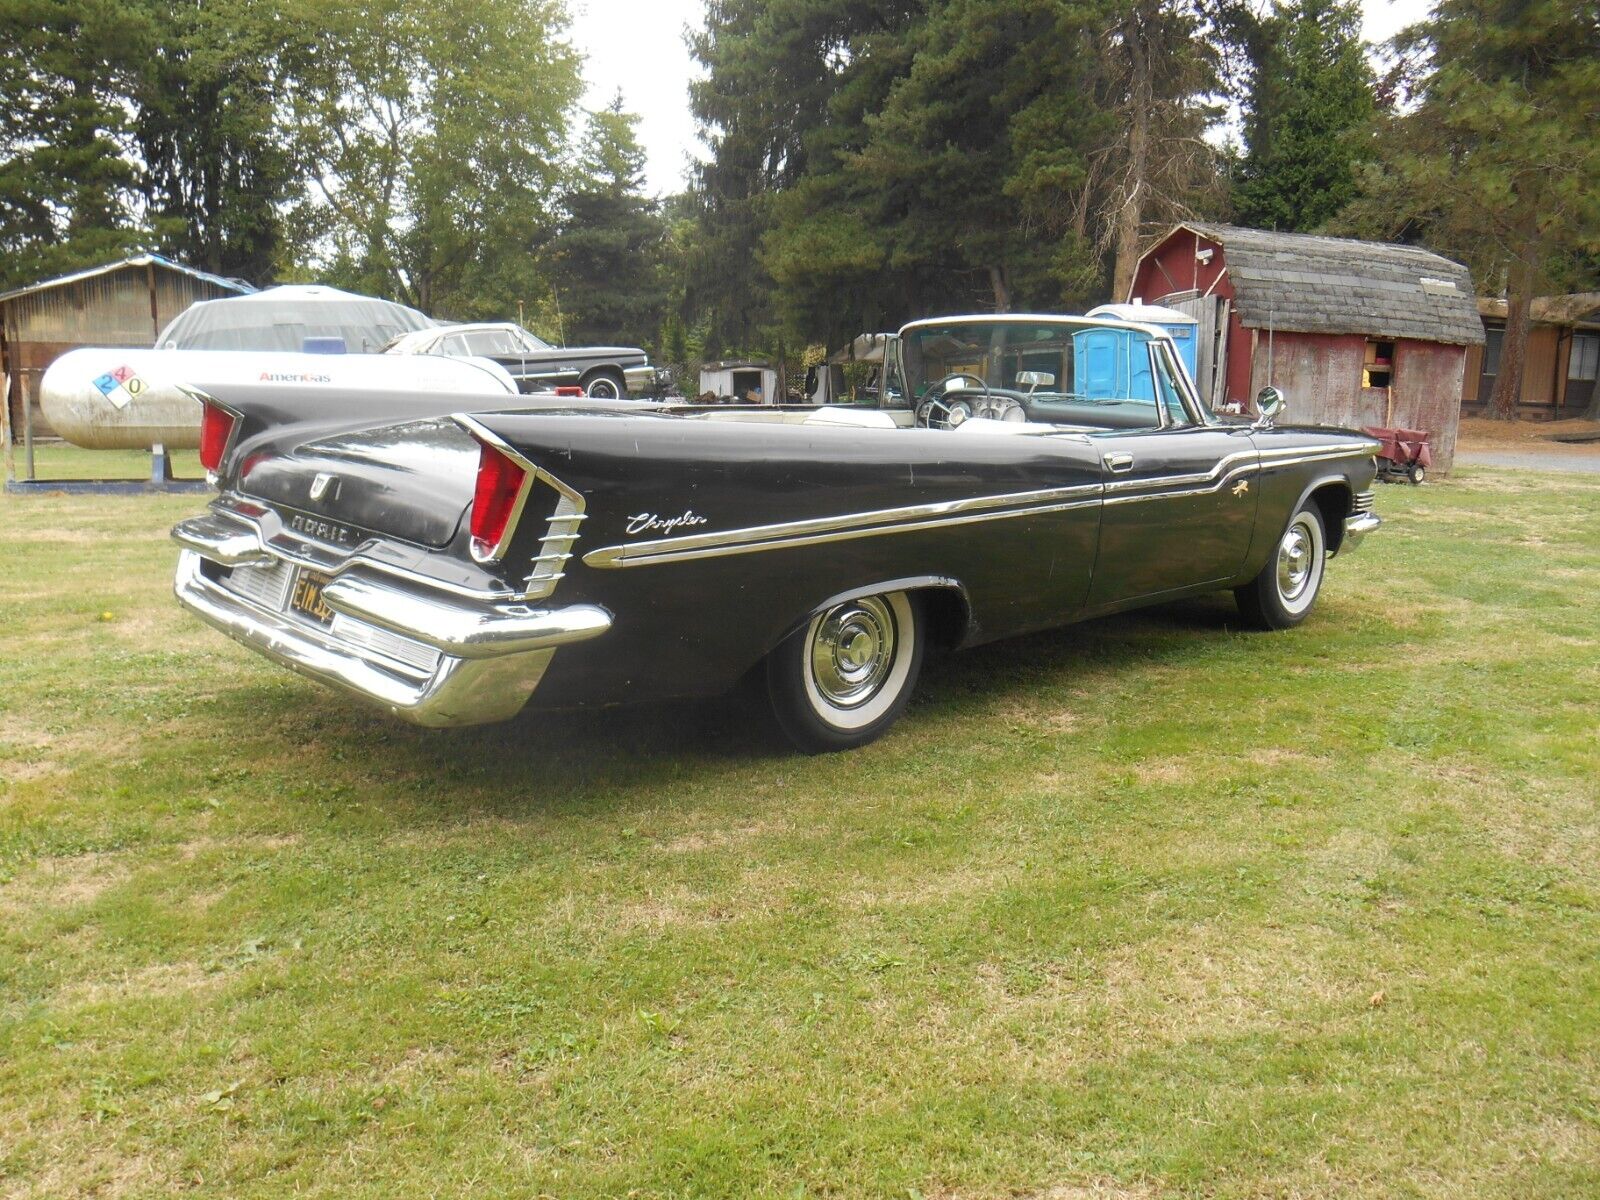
<point>282,318</point>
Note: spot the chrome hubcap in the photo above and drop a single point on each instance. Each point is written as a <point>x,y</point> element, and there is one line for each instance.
<point>1294,561</point>
<point>852,650</point>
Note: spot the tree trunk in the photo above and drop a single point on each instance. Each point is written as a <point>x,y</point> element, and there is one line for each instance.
<point>1129,217</point>
<point>1002,293</point>
<point>1514,346</point>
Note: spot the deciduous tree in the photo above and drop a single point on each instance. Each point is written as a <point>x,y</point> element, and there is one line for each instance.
<point>432,132</point>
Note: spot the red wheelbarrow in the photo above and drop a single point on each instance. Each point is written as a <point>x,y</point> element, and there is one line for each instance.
<point>1404,454</point>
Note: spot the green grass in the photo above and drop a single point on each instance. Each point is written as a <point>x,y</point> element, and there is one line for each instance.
<point>57,460</point>
<point>1144,907</point>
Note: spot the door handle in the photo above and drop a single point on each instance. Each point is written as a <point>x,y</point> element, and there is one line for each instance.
<point>1119,462</point>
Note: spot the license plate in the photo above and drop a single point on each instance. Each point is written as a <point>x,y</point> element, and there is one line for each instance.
<point>307,596</point>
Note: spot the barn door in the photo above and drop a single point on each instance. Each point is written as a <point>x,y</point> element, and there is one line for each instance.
<point>1210,355</point>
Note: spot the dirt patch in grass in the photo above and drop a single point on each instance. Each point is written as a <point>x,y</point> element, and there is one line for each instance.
<point>722,838</point>
<point>66,881</point>
<point>154,982</point>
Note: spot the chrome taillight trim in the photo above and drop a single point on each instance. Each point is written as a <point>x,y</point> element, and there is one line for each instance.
<point>561,528</point>
<point>214,478</point>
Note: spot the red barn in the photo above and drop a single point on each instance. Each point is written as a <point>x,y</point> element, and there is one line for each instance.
<point>1354,333</point>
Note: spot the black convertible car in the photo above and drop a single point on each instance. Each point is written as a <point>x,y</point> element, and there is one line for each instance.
<point>452,562</point>
<point>606,372</point>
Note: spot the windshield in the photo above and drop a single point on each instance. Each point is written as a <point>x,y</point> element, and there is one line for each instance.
<point>992,353</point>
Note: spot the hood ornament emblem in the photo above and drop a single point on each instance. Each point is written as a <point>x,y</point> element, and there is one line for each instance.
<point>325,486</point>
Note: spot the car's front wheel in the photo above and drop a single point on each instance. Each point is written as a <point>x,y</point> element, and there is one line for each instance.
<point>847,676</point>
<point>1283,593</point>
<point>606,384</point>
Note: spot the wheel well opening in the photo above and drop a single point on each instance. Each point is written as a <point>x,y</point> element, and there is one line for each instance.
<point>945,611</point>
<point>1333,502</point>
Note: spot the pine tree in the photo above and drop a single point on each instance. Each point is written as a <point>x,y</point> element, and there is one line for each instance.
<point>67,190</point>
<point>1499,164</point>
<point>606,255</point>
<point>1310,98</point>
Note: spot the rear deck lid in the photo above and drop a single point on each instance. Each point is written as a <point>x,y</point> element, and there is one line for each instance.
<point>411,481</point>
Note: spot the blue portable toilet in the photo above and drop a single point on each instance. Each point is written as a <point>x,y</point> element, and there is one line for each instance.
<point>1183,329</point>
<point>1111,364</point>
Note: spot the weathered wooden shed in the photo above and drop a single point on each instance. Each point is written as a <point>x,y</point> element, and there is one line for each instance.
<point>1355,333</point>
<point>125,303</point>
<point>1560,370</point>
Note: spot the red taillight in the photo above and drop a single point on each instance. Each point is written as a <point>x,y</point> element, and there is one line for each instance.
<point>216,426</point>
<point>494,501</point>
<point>569,390</point>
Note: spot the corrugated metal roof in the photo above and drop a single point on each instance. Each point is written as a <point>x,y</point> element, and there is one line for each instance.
<point>1302,283</point>
<point>138,260</point>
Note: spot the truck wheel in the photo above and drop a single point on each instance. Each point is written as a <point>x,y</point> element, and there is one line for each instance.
<point>847,676</point>
<point>605,384</point>
<point>1283,593</point>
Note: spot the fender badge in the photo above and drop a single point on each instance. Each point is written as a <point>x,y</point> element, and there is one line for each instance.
<point>1241,487</point>
<point>325,485</point>
<point>649,522</point>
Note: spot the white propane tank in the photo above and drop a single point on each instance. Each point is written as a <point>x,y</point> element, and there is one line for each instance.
<point>111,399</point>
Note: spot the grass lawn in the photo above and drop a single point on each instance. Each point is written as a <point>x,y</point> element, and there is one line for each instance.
<point>1141,908</point>
<point>57,460</point>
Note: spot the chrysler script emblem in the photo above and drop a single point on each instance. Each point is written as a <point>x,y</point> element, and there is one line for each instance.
<point>325,485</point>
<point>649,522</point>
<point>1241,487</point>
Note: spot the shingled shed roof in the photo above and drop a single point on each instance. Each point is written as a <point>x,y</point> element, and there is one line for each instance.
<point>1301,283</point>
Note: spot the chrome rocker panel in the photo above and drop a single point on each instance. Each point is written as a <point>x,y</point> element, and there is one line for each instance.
<point>492,657</point>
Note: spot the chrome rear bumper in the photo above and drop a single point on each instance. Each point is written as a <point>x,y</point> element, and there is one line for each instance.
<point>639,379</point>
<point>423,655</point>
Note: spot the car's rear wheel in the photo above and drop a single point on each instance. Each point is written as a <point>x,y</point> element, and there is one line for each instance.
<point>1283,593</point>
<point>847,676</point>
<point>605,384</point>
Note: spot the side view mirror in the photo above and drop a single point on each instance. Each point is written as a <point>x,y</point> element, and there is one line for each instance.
<point>1034,380</point>
<point>1270,403</point>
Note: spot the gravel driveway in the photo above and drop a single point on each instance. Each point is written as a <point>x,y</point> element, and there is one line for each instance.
<point>1531,460</point>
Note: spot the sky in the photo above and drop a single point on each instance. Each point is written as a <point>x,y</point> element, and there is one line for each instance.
<point>638,46</point>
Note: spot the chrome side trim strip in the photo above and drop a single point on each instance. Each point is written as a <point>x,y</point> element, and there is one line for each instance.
<point>839,528</point>
<point>1224,466</point>
<point>1288,455</point>
<point>947,513</point>
<point>611,556</point>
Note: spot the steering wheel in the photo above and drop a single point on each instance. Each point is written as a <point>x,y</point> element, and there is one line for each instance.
<point>935,412</point>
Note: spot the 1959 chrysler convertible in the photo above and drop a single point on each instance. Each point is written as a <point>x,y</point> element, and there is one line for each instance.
<point>1019,472</point>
